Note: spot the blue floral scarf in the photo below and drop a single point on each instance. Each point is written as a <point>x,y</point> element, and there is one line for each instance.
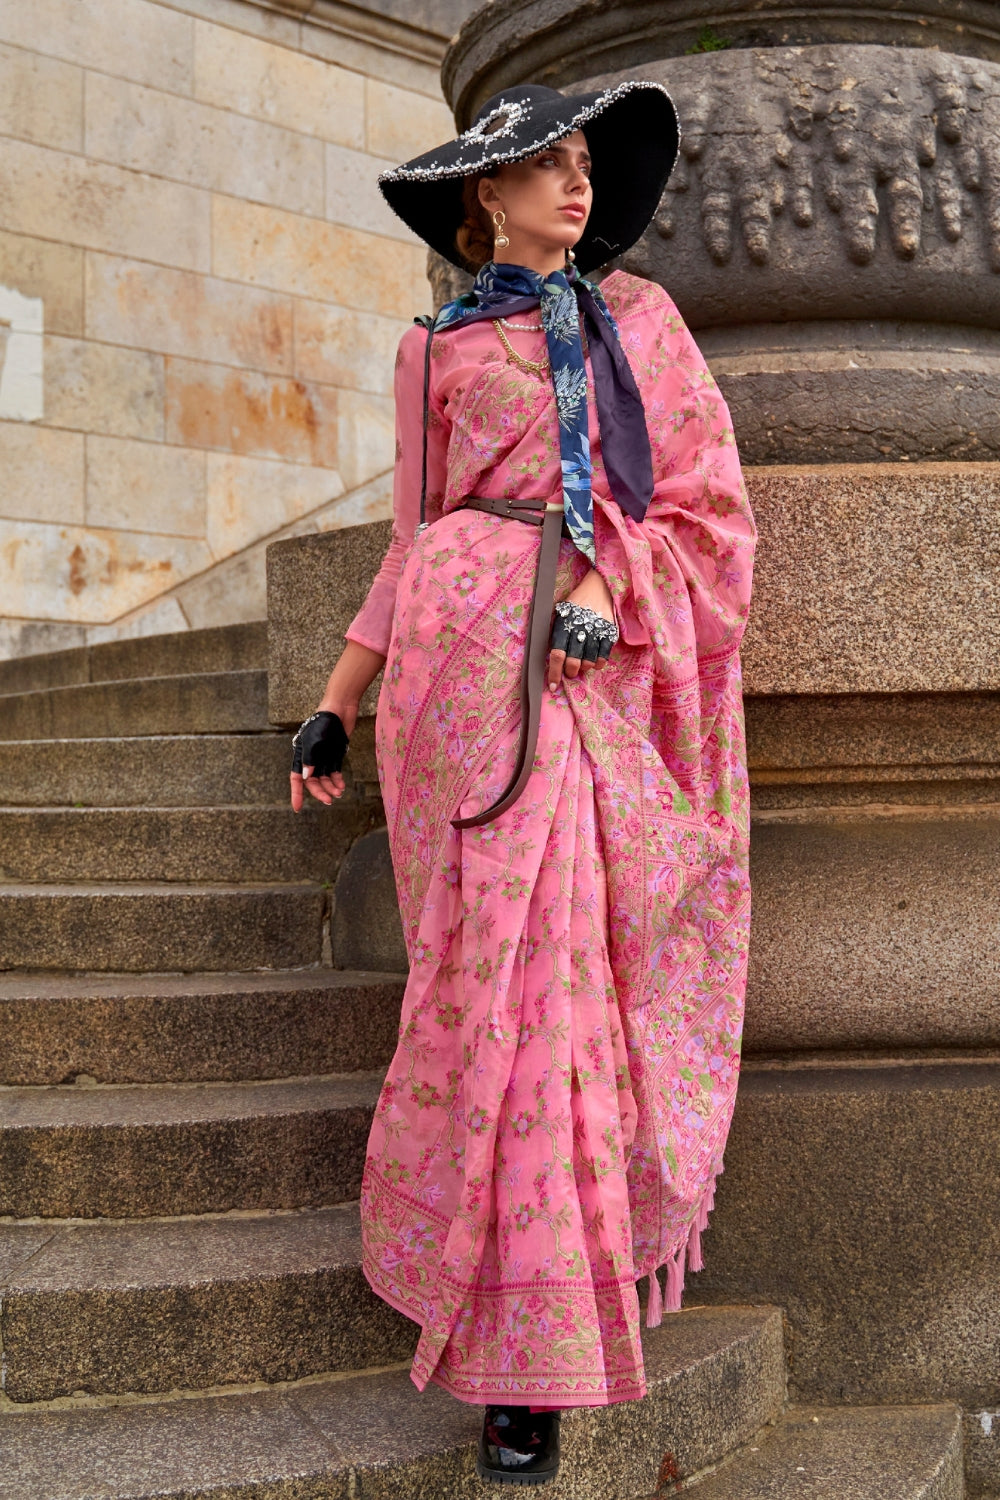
<point>500,290</point>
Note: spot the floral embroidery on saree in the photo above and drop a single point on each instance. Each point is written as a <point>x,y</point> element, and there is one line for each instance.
<point>555,1116</point>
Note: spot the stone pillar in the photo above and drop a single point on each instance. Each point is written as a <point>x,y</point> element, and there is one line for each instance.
<point>831,233</point>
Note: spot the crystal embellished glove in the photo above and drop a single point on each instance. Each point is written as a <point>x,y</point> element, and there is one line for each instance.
<point>582,633</point>
<point>321,742</point>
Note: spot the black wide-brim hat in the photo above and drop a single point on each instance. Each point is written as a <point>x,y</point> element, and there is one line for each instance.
<point>633,135</point>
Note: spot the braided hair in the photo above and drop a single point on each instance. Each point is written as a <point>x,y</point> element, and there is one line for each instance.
<point>474,238</point>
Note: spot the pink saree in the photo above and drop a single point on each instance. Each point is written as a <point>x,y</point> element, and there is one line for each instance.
<point>554,1119</point>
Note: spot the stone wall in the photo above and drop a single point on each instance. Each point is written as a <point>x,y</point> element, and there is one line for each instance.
<point>201,292</point>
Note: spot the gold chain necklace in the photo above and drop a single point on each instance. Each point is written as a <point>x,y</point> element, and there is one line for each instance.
<point>533,366</point>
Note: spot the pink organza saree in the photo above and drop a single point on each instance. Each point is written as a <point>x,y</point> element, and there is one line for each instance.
<point>555,1116</point>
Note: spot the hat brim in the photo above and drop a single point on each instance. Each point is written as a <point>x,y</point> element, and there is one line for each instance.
<point>633,136</point>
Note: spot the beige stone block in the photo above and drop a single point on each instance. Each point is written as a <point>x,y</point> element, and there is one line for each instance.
<point>236,588</point>
<point>76,574</point>
<point>279,85</point>
<point>61,197</point>
<point>161,617</point>
<point>42,268</point>
<point>369,502</point>
<point>408,71</point>
<point>132,38</point>
<point>313,259</point>
<point>239,16</point>
<point>421,290</point>
<point>232,591</point>
<point>41,476</point>
<point>354,198</point>
<point>40,99</point>
<point>145,487</point>
<point>103,388</point>
<point>186,141</point>
<point>367,436</point>
<point>345,348</point>
<point>242,411</point>
<point>182,313</point>
<point>249,498</point>
<point>402,123</point>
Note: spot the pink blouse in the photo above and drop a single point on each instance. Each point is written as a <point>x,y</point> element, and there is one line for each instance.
<point>493,431</point>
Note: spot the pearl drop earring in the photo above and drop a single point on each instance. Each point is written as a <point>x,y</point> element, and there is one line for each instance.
<point>499,220</point>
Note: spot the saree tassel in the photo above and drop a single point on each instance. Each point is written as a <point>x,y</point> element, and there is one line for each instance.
<point>694,1260</point>
<point>654,1309</point>
<point>675,1281</point>
<point>699,1223</point>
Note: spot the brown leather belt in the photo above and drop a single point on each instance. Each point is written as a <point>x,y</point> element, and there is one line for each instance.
<point>550,518</point>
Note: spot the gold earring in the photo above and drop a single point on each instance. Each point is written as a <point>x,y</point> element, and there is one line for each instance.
<point>499,220</point>
<point>570,256</point>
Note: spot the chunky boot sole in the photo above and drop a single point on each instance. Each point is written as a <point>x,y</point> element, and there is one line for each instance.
<point>505,1476</point>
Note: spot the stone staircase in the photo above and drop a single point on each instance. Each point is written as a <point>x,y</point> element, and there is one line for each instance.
<point>186,1083</point>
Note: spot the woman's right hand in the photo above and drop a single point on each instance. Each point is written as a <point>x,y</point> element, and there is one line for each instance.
<point>324,788</point>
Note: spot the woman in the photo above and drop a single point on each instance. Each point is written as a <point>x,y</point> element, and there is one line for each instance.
<point>570,849</point>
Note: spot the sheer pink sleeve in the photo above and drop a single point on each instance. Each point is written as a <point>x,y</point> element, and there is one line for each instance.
<point>372,625</point>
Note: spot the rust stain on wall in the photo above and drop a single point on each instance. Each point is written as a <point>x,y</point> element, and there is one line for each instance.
<point>77,570</point>
<point>242,411</point>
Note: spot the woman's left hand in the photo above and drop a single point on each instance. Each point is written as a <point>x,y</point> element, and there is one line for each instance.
<point>593,593</point>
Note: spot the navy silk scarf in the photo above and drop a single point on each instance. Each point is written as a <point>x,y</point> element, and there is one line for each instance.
<point>501,290</point>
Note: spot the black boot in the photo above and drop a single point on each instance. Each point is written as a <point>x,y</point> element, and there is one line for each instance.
<point>518,1446</point>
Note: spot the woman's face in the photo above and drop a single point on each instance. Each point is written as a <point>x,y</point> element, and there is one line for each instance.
<point>546,199</point>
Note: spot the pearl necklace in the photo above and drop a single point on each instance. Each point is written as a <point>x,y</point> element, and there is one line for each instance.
<point>524,327</point>
<point>533,366</point>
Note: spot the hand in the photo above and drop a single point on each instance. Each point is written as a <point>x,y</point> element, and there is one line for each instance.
<point>328,787</point>
<point>593,593</point>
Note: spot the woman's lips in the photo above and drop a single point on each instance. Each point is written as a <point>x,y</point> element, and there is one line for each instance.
<point>573,211</point>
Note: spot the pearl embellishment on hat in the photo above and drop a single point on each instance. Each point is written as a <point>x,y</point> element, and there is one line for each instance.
<point>478,134</point>
<point>503,120</point>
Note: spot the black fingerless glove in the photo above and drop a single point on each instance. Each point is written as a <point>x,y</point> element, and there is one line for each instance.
<point>321,742</point>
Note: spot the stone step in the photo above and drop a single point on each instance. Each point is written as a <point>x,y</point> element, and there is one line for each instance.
<point>154,927</point>
<point>198,1028</point>
<point>208,703</point>
<point>715,1376</point>
<point>231,844</point>
<point>221,648</point>
<point>184,770</point>
<point>184,1304</point>
<point>136,1151</point>
<point>848,1453</point>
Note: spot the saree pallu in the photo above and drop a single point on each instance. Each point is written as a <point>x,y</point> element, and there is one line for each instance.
<point>554,1118</point>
